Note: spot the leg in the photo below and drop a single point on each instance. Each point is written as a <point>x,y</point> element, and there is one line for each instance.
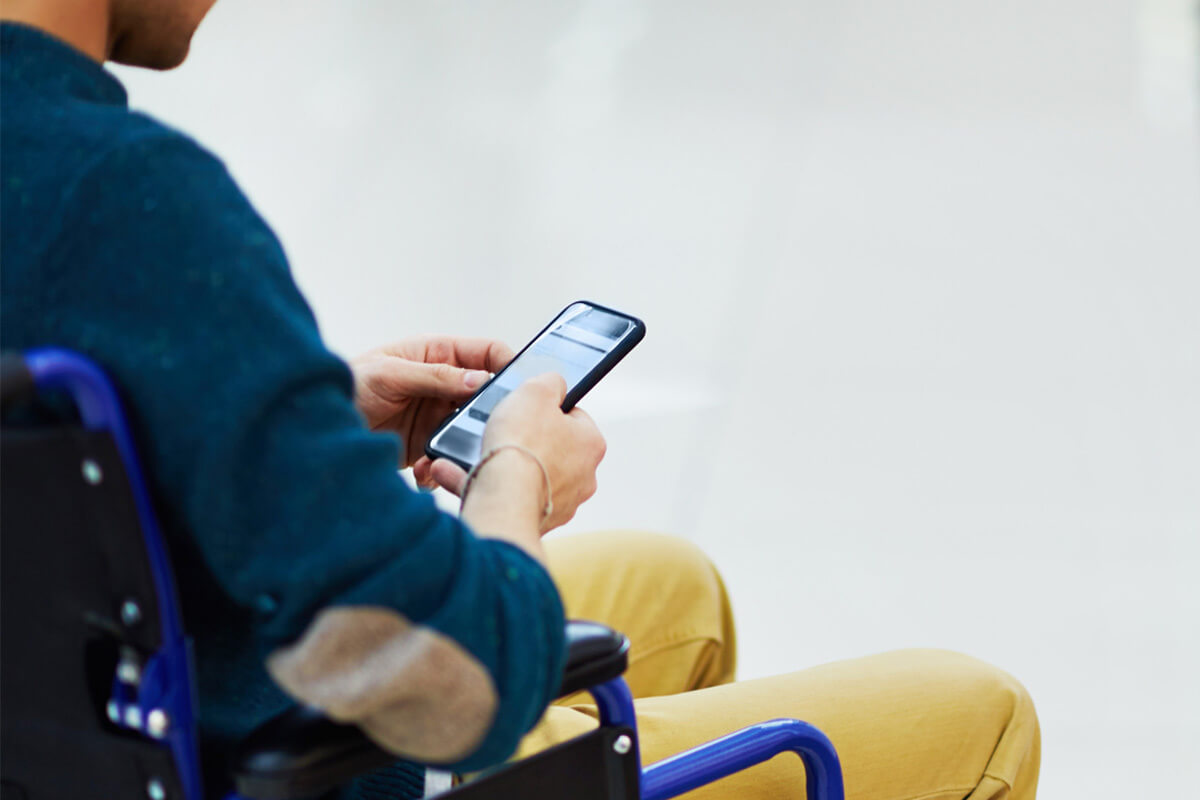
<point>909,725</point>
<point>660,591</point>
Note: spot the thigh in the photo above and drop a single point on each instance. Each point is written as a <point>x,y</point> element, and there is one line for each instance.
<point>660,591</point>
<point>912,724</point>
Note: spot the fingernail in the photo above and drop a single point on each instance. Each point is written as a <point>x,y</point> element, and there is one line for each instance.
<point>475,378</point>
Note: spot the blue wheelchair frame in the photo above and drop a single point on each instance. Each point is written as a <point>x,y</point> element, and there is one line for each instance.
<point>163,705</point>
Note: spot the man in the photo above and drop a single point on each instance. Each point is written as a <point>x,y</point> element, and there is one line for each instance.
<point>308,570</point>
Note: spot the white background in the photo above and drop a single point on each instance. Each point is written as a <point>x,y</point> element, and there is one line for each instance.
<point>921,279</point>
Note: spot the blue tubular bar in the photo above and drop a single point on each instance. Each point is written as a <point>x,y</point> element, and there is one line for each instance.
<point>615,703</point>
<point>745,748</point>
<point>166,682</point>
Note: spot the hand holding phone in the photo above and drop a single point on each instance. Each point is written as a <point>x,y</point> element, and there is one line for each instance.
<point>581,344</point>
<point>530,404</point>
<point>568,446</point>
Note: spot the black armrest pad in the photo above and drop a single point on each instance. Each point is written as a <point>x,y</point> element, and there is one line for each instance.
<point>302,753</point>
<point>595,654</point>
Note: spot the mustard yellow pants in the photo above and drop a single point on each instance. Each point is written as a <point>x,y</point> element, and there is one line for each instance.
<point>908,725</point>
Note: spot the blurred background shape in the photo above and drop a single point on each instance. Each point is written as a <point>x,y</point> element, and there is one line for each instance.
<point>921,282</point>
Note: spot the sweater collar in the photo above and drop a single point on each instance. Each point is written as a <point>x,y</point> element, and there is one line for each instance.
<point>50,65</point>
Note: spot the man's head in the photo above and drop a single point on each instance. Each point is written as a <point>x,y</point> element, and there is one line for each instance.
<point>153,33</point>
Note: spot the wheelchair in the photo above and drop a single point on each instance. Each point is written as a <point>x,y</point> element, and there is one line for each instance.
<point>98,694</point>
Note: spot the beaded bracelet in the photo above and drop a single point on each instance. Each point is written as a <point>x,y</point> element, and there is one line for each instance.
<point>548,509</point>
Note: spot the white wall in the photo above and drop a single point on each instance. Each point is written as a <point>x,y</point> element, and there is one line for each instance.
<point>922,283</point>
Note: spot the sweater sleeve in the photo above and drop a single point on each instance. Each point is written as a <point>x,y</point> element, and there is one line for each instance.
<point>251,432</point>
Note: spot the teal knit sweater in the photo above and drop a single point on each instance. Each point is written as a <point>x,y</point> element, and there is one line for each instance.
<point>128,242</point>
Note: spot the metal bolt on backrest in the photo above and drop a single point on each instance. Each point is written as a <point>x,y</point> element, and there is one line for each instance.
<point>157,723</point>
<point>622,744</point>
<point>155,789</point>
<point>133,717</point>
<point>91,471</point>
<point>129,672</point>
<point>131,612</point>
<point>129,667</point>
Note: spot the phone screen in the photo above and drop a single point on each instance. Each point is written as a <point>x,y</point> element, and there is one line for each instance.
<point>573,345</point>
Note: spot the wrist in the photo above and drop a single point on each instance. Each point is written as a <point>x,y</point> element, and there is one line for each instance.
<point>506,471</point>
<point>509,456</point>
<point>506,499</point>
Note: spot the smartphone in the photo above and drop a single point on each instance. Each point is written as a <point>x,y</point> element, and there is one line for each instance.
<point>582,343</point>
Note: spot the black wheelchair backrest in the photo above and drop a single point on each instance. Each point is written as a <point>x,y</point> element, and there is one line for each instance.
<point>79,615</point>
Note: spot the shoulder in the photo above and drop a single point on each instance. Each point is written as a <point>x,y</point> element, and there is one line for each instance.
<point>62,139</point>
<point>150,162</point>
<point>153,187</point>
<point>154,217</point>
<point>84,171</point>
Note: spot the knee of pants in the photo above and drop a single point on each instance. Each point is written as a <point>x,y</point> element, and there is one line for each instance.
<point>661,590</point>
<point>686,561</point>
<point>694,611</point>
<point>996,699</point>
<point>983,682</point>
<point>636,557</point>
<point>678,571</point>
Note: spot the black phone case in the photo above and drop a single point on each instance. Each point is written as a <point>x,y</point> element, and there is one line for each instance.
<point>573,395</point>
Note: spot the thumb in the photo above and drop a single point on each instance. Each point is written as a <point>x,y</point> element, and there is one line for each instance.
<point>448,475</point>
<point>553,382</point>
